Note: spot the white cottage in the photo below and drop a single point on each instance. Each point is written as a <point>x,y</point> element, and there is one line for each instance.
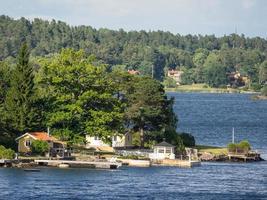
<point>117,141</point>
<point>162,151</point>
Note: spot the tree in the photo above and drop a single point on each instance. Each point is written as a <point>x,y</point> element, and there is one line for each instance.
<point>263,73</point>
<point>83,97</point>
<point>39,147</point>
<point>19,113</point>
<point>149,109</point>
<point>214,72</point>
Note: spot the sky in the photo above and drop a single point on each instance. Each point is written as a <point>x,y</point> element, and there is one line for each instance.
<point>219,17</point>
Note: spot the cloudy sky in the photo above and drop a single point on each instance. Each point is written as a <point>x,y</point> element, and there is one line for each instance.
<point>217,17</point>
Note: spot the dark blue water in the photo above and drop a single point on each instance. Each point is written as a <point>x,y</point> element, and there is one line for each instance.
<point>210,117</point>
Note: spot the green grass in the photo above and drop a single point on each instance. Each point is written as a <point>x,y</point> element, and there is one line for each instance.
<point>204,88</point>
<point>211,149</point>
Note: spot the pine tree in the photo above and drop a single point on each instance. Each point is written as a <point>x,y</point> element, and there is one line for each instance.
<point>19,111</point>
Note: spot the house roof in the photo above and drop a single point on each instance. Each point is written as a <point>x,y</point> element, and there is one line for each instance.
<point>39,136</point>
<point>164,144</point>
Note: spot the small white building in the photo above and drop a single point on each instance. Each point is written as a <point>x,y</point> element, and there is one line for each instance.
<point>117,141</point>
<point>162,151</point>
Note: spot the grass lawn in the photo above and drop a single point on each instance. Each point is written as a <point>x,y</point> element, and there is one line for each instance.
<point>211,149</point>
<point>203,88</point>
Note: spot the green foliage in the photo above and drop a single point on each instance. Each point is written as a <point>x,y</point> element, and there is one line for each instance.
<point>39,147</point>
<point>19,112</point>
<point>144,51</point>
<point>188,139</point>
<point>6,153</point>
<point>263,73</point>
<point>264,90</point>
<point>242,146</point>
<point>214,72</point>
<point>83,97</point>
<point>149,109</point>
<point>231,147</point>
<point>169,82</point>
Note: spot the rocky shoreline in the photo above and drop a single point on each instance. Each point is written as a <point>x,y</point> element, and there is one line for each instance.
<point>209,157</point>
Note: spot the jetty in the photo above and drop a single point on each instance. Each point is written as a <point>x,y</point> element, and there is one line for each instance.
<point>250,156</point>
<point>101,164</point>
<point>5,163</point>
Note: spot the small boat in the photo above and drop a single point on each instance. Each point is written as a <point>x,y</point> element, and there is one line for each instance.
<point>31,170</point>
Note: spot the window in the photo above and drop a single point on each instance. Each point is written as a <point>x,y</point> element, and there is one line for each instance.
<point>161,150</point>
<point>115,138</point>
<point>96,138</point>
<point>168,151</point>
<point>28,143</point>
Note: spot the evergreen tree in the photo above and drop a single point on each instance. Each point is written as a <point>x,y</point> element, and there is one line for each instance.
<point>19,111</point>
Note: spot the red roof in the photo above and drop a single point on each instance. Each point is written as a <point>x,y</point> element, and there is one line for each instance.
<point>42,136</point>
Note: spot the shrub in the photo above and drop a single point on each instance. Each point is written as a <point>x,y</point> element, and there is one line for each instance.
<point>6,153</point>
<point>264,90</point>
<point>39,147</point>
<point>188,139</point>
<point>244,145</point>
<point>231,147</point>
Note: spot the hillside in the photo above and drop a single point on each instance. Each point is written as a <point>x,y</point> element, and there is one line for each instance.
<point>203,59</point>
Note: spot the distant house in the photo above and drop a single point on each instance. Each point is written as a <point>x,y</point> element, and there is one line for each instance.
<point>116,141</point>
<point>57,147</point>
<point>133,72</point>
<point>162,151</point>
<point>236,79</point>
<point>175,75</point>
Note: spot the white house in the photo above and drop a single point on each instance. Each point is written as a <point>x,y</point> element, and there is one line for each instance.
<point>162,151</point>
<point>117,141</point>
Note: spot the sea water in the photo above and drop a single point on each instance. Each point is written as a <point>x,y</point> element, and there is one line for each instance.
<point>210,118</point>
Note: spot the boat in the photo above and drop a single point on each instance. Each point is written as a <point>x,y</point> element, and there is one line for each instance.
<point>31,170</point>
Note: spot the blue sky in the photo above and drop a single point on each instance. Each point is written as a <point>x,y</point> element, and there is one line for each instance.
<point>217,17</point>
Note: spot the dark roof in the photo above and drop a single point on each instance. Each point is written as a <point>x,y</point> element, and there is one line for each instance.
<point>164,144</point>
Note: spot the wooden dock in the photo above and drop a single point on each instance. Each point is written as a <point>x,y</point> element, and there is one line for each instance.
<point>5,162</point>
<point>82,164</point>
<point>246,157</point>
<point>176,163</point>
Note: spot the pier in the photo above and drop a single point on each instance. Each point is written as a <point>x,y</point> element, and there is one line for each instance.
<point>82,164</point>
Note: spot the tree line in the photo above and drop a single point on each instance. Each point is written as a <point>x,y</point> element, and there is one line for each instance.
<point>203,59</point>
<point>75,94</point>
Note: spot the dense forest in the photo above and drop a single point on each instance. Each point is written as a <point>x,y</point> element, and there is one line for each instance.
<point>203,59</point>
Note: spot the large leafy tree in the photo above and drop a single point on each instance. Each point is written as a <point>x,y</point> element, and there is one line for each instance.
<point>19,112</point>
<point>215,73</point>
<point>263,73</point>
<point>149,109</point>
<point>83,98</point>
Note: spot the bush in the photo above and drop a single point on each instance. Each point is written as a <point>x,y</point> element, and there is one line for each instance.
<point>244,145</point>
<point>188,139</point>
<point>264,90</point>
<point>39,147</point>
<point>6,153</point>
<point>231,147</point>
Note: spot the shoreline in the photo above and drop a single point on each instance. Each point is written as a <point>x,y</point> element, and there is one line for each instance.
<point>202,88</point>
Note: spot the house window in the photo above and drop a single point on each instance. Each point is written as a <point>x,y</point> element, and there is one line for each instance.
<point>168,151</point>
<point>161,150</point>
<point>96,138</point>
<point>115,138</point>
<point>28,143</point>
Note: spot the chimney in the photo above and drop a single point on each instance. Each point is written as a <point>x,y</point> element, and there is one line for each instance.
<point>48,131</point>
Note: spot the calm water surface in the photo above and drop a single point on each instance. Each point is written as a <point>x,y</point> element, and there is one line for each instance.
<point>210,117</point>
